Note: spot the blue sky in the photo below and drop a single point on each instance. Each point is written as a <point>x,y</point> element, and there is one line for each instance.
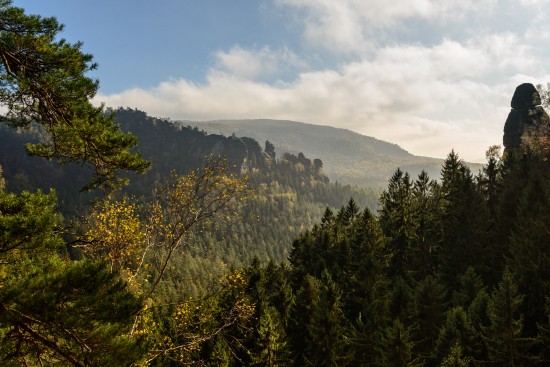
<point>429,75</point>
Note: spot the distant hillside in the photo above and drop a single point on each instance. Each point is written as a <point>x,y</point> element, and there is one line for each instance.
<point>348,157</point>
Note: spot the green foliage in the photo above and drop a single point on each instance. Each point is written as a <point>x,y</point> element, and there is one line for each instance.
<point>503,336</point>
<point>42,80</point>
<point>529,249</point>
<point>307,300</point>
<point>55,310</point>
<point>397,221</point>
<point>345,299</point>
<point>326,330</point>
<point>464,221</point>
<point>431,307</point>
<point>397,347</point>
<point>457,329</point>
<point>271,340</point>
<point>27,222</point>
<point>455,358</point>
<point>71,313</point>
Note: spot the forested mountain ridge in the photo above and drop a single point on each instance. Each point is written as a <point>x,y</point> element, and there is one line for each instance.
<point>169,146</point>
<point>290,192</point>
<point>348,157</point>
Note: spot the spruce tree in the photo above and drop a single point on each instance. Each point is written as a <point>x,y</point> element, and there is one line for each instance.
<point>489,182</point>
<point>529,252</point>
<point>427,217</point>
<point>271,342</point>
<point>431,307</point>
<point>455,358</point>
<point>368,301</point>
<point>307,301</point>
<point>364,279</point>
<point>464,222</point>
<point>470,285</point>
<point>515,171</point>
<point>503,337</point>
<point>396,218</point>
<point>457,329</point>
<point>327,328</point>
<point>397,350</point>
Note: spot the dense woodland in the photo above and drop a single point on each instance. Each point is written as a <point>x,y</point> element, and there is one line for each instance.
<point>451,272</point>
<point>173,271</point>
<point>288,194</point>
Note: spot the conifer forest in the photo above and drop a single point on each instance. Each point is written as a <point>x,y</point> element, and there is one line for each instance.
<point>129,240</point>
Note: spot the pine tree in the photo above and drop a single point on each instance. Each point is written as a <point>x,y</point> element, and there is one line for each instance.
<point>44,82</point>
<point>54,310</point>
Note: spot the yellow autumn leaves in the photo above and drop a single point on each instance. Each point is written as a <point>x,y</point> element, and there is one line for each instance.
<point>130,236</point>
<point>116,235</point>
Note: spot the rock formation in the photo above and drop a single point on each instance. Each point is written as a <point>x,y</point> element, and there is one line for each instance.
<point>526,115</point>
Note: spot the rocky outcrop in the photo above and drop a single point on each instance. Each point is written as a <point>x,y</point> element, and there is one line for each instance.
<point>526,115</point>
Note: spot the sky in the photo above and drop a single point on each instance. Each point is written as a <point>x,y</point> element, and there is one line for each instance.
<point>428,75</point>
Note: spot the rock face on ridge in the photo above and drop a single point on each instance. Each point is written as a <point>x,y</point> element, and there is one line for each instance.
<point>526,114</point>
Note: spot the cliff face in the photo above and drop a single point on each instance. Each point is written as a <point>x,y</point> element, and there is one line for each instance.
<point>526,114</point>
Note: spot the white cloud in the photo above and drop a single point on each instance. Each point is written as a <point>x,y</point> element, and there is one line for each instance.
<point>426,99</point>
<point>355,25</point>
<point>507,50</point>
<point>252,64</point>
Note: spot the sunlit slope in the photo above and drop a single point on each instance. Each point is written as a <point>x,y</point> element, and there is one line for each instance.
<point>348,157</point>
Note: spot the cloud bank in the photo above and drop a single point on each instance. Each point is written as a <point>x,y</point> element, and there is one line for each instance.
<point>429,96</point>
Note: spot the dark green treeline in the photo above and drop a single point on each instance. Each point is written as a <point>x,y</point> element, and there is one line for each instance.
<point>454,272</point>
